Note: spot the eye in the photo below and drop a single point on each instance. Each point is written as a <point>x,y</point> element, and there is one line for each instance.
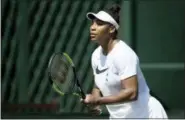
<point>100,23</point>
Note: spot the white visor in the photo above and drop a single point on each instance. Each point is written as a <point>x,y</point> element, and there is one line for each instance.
<point>103,16</point>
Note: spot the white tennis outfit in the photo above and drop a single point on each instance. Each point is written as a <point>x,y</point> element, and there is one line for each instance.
<point>119,64</point>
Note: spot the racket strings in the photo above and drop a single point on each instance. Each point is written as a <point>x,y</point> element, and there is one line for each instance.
<point>59,68</point>
<point>62,74</point>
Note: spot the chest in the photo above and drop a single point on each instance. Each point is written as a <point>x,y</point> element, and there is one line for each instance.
<point>106,77</point>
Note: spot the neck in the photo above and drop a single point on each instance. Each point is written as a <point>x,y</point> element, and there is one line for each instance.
<point>108,45</point>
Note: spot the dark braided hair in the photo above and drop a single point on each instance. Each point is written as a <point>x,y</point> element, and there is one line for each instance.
<point>113,10</point>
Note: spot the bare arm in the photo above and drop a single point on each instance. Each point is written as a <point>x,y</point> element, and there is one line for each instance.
<point>95,109</point>
<point>96,92</point>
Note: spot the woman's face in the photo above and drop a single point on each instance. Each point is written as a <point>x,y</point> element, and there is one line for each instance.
<point>99,30</point>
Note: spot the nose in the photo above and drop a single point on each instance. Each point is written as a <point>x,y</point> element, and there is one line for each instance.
<point>93,27</point>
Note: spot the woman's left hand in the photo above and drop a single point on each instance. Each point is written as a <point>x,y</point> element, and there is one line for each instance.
<point>90,99</point>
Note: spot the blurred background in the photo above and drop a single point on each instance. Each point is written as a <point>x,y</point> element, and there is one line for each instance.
<point>31,30</point>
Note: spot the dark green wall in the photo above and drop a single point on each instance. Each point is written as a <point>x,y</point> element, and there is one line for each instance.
<point>160,46</point>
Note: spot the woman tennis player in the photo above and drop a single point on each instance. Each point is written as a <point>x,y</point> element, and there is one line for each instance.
<point>117,73</point>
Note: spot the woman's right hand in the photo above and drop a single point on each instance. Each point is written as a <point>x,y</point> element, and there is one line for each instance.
<point>95,110</point>
<point>92,108</point>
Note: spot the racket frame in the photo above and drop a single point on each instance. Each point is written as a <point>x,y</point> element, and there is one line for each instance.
<point>76,80</point>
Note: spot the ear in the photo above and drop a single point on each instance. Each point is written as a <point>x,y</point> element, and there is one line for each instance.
<point>112,29</point>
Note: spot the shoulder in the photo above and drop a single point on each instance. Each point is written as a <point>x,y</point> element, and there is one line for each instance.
<point>96,53</point>
<point>124,52</point>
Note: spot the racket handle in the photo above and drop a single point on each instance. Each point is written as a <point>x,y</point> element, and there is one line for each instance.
<point>83,95</point>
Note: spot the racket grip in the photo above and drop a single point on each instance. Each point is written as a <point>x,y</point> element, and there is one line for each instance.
<point>83,95</point>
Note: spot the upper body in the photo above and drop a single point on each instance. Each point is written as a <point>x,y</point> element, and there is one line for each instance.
<point>117,73</point>
<point>111,70</point>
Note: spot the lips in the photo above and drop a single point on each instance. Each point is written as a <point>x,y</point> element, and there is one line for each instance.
<point>92,34</point>
<point>92,37</point>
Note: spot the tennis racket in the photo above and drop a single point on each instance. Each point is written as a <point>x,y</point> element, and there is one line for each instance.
<point>63,76</point>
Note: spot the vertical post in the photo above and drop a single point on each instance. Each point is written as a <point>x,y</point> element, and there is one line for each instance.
<point>125,22</point>
<point>133,9</point>
<point>22,60</point>
<point>128,18</point>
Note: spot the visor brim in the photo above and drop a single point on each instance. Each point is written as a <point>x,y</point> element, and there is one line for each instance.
<point>91,16</point>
